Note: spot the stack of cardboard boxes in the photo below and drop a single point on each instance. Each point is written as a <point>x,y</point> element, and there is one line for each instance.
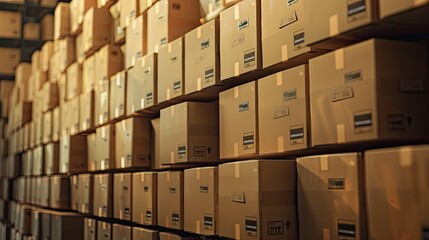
<point>147,116</point>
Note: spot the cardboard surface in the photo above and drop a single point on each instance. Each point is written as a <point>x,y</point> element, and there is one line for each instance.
<point>144,198</point>
<point>170,199</point>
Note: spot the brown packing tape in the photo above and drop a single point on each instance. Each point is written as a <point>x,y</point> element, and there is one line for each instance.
<point>197,174</point>
<point>339,59</point>
<point>406,157</point>
<point>235,150</point>
<point>197,227</point>
<point>285,55</point>
<point>172,157</point>
<point>280,144</point>
<point>326,234</point>
<point>237,231</point>
<point>142,175</point>
<point>236,69</point>
<point>324,163</point>
<point>279,78</point>
<point>236,169</point>
<point>334,25</point>
<point>341,135</point>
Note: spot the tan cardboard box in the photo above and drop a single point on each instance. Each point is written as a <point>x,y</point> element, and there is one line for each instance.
<point>37,131</point>
<point>144,5</point>
<point>201,57</point>
<point>45,55</point>
<point>133,143</point>
<point>170,199</point>
<point>46,224</point>
<point>40,78</point>
<point>48,3</point>
<point>396,188</point>
<point>104,230</point>
<point>189,133</point>
<point>86,193</point>
<point>50,96</point>
<point>283,111</point>
<point>22,73</point>
<point>257,199</point>
<point>142,91</point>
<point>11,58</point>
<point>387,9</point>
<point>23,113</point>
<point>201,202</point>
<point>211,8</point>
<point>171,236</point>
<point>74,192</point>
<point>6,89</point>
<point>96,29</point>
<point>24,224</point>
<point>118,84</point>
<point>74,8</point>
<point>62,21</point>
<point>54,67</point>
<point>60,192</point>
<point>168,20</point>
<point>73,152</point>
<point>36,223</point>
<point>336,183</point>
<point>67,53</point>
<point>74,118</point>
<point>144,234</point>
<point>358,100</point>
<point>47,27</point>
<point>35,61</point>
<point>52,158</point>
<point>136,45</point>
<point>122,232</point>
<point>105,151</point>
<point>118,33</point>
<point>144,198</point>
<point>92,146</point>
<point>103,190</point>
<point>171,83</point>
<point>32,31</point>
<point>280,19</point>
<point>87,102</point>
<point>74,80</point>
<point>128,12</point>
<point>47,127</point>
<point>88,74</point>
<point>240,31</point>
<point>102,101</point>
<point>334,18</point>
<point>38,161</point>
<point>90,229</point>
<point>67,226</point>
<point>239,121</point>
<point>80,53</point>
<point>122,192</point>
<point>10,27</point>
<point>56,124</point>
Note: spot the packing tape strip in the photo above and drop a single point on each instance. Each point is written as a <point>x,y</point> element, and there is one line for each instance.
<point>236,92</point>
<point>121,214</point>
<point>197,174</point>
<point>157,8</point>
<point>122,163</point>
<point>236,169</point>
<point>419,2</point>
<point>198,84</point>
<point>141,103</point>
<point>236,12</point>
<point>339,59</point>
<point>326,234</point>
<point>149,3</point>
<point>197,226</point>
<point>141,218</point>
<point>334,25</point>
<point>236,69</point>
<point>169,47</point>
<point>171,157</point>
<point>168,176</point>
<point>210,7</point>
<point>235,150</point>
<point>279,78</point>
<point>285,55</point>
<point>237,232</point>
<point>280,144</point>
<point>124,125</point>
<point>406,157</point>
<point>143,61</point>
<point>172,111</point>
<point>167,221</point>
<point>198,32</point>
<point>324,166</point>
<point>127,20</point>
<point>168,93</point>
<point>133,60</point>
<point>121,175</point>
<point>142,177</point>
<point>341,135</point>
<point>156,49</point>
<point>133,24</point>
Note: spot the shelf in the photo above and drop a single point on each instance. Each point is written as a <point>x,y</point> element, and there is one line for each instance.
<point>7,77</point>
<point>11,6</point>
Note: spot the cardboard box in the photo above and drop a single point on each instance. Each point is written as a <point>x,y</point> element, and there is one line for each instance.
<point>47,127</point>
<point>257,199</point>
<point>283,111</point>
<point>46,224</point>
<point>35,61</point>
<point>11,24</point>
<point>201,57</point>
<point>280,19</point>
<point>80,53</point>
<point>47,3</point>
<point>122,192</point>
<point>396,11</point>
<point>73,154</point>
<point>189,133</point>
<point>52,155</point>
<point>86,193</point>
<point>122,232</point>
<point>22,113</point>
<point>118,84</point>
<point>144,234</point>
<point>128,13</point>
<point>74,192</point>
<point>38,161</point>
<point>45,55</point>
<point>105,151</point>
<point>171,83</point>
<point>133,137</point>
<point>24,224</point>
<point>103,190</point>
<point>36,223</point>
<point>74,118</point>
<point>136,46</point>
<point>43,191</point>
<point>144,5</point>
<point>336,183</point>
<point>171,236</point>
<point>332,19</point>
<point>22,73</point>
<point>104,230</point>
<point>396,188</point>
<point>144,198</point>
<point>238,121</point>
<point>88,74</point>
<point>47,27</point>
<point>90,229</point>
<point>170,199</point>
<point>11,58</point>
<point>211,8</point>
<point>32,31</point>
<point>56,124</point>
<point>54,67</point>
<point>62,21</point>
<point>50,96</point>
<point>168,20</point>
<point>201,202</point>
<point>102,100</point>
<point>67,226</point>
<point>87,102</point>
<point>74,25</point>
<point>6,89</point>
<point>118,32</point>
<point>349,106</point>
<point>240,31</point>
<point>74,81</point>
<point>40,78</point>
<point>92,146</point>
<point>96,29</point>
<point>60,192</point>
<point>142,91</point>
<point>67,53</point>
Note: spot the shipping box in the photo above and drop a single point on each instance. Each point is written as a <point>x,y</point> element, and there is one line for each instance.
<point>67,53</point>
<point>60,192</point>
<point>87,102</point>
<point>104,231</point>
<point>118,87</point>
<point>122,232</point>
<point>122,192</point>
<point>105,151</point>
<point>170,199</point>
<point>90,229</point>
<point>103,194</point>
<point>10,27</point>
<point>45,55</point>
<point>96,29</point>
<point>144,198</point>
<point>52,158</point>
<point>136,45</point>
<point>67,226</point>
<point>144,234</point>
<point>88,74</point>
<point>73,152</point>
<point>11,58</point>
<point>62,21</point>
<point>74,81</point>
<point>86,193</point>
